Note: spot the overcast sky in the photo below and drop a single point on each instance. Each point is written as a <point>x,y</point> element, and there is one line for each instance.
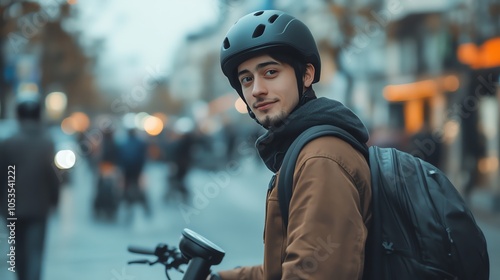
<point>141,34</point>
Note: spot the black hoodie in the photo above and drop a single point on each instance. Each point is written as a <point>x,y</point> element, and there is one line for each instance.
<point>273,145</point>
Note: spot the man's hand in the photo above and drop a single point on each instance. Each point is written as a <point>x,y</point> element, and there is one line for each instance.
<point>213,276</point>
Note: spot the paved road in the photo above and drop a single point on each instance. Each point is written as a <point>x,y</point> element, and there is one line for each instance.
<point>227,208</point>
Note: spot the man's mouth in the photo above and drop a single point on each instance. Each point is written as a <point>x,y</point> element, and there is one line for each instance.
<point>261,106</point>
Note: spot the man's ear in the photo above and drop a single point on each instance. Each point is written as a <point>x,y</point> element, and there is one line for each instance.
<point>309,75</point>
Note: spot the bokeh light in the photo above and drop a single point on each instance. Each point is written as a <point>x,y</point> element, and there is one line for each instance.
<point>56,103</point>
<point>65,159</point>
<point>153,125</point>
<point>240,106</point>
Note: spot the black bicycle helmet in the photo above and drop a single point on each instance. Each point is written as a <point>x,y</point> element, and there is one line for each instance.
<point>28,108</point>
<point>264,31</point>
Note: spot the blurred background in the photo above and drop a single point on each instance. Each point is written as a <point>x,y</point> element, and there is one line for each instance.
<point>144,76</point>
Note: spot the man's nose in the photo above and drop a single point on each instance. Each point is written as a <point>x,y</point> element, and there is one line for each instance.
<point>259,87</point>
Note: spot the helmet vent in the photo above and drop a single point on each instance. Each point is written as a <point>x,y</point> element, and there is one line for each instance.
<point>258,13</point>
<point>226,43</point>
<point>273,18</point>
<point>259,30</point>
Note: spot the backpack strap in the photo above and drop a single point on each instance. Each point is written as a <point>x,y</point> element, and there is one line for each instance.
<point>285,181</point>
<point>373,250</point>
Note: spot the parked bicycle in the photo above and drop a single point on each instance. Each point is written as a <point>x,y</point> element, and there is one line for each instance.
<point>195,251</point>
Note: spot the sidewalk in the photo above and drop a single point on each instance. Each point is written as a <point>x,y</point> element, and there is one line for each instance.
<point>482,205</point>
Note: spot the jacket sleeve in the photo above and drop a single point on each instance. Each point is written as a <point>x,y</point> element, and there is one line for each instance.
<point>243,273</point>
<point>326,230</point>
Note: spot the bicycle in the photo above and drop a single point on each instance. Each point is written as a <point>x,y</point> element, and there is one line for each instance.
<point>195,251</point>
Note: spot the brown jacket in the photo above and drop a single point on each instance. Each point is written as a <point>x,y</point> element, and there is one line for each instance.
<point>329,213</point>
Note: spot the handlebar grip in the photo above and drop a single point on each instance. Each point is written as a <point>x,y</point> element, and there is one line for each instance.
<point>139,250</point>
<point>139,262</point>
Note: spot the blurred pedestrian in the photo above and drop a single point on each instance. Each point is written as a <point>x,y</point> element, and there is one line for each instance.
<point>180,149</point>
<point>30,183</point>
<point>133,156</point>
<point>474,151</point>
<point>109,176</point>
<point>230,137</point>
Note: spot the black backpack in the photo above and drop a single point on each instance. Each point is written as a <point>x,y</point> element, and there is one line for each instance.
<point>421,226</point>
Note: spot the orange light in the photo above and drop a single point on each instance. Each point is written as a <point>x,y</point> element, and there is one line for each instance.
<point>451,83</point>
<point>153,125</point>
<point>485,56</point>
<point>421,89</point>
<point>80,121</point>
<point>414,115</point>
<point>468,53</point>
<point>490,53</point>
<point>410,91</point>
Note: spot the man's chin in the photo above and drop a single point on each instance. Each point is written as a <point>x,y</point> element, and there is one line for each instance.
<point>271,121</point>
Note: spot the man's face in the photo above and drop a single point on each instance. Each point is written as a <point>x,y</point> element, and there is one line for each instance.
<point>269,87</point>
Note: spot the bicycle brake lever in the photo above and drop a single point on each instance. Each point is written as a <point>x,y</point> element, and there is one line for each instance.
<point>140,262</point>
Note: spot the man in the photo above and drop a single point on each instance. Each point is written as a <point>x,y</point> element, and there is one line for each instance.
<point>270,58</point>
<point>33,183</point>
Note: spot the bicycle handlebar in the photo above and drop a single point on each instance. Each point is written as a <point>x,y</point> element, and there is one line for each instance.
<point>195,250</point>
<point>139,250</point>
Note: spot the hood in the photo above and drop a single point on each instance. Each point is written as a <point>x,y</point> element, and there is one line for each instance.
<point>273,145</point>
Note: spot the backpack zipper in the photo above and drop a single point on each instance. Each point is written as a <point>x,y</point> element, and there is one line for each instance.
<point>448,231</point>
<point>452,251</point>
<point>451,242</point>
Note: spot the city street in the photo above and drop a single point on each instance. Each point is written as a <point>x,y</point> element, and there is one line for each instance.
<point>97,78</point>
<point>227,208</point>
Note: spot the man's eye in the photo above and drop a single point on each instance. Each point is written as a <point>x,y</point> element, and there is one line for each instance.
<point>270,72</point>
<point>245,80</point>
